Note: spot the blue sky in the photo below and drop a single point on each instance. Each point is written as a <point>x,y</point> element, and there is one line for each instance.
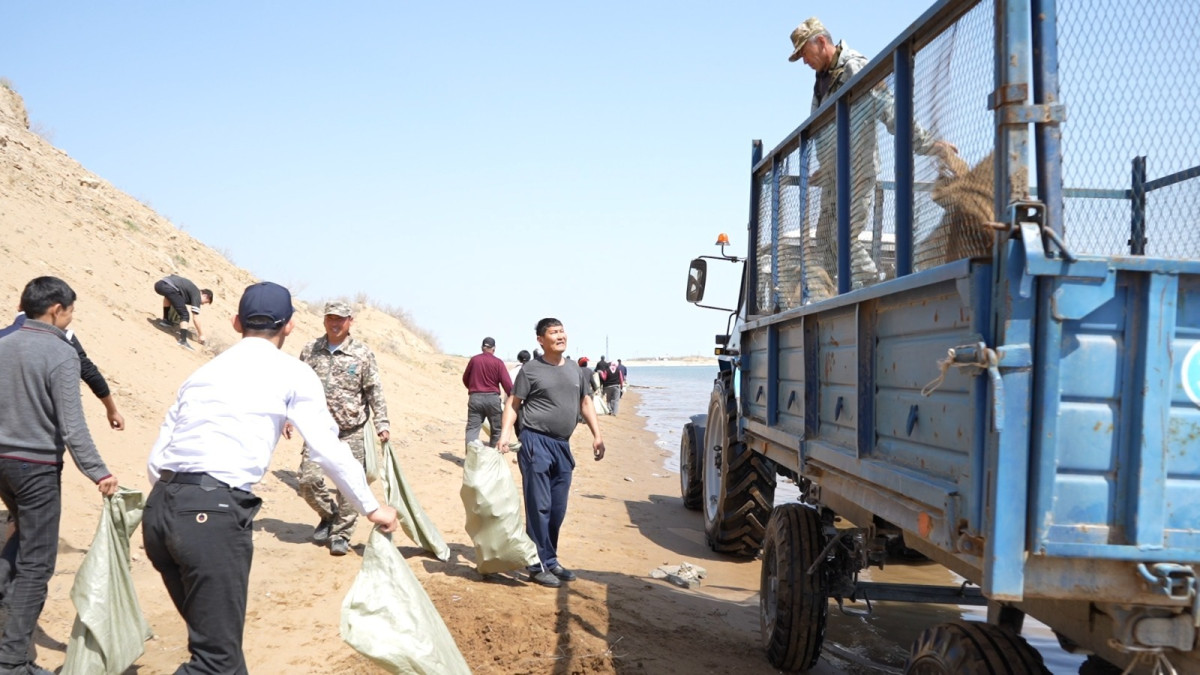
<point>480,165</point>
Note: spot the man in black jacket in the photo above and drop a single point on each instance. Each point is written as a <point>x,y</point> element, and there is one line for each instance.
<point>182,296</point>
<point>88,372</point>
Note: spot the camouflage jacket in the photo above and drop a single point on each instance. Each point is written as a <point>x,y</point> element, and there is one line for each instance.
<point>877,106</point>
<point>352,384</point>
<point>846,64</point>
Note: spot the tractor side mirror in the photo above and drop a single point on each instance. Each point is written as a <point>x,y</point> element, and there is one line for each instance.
<point>697,274</point>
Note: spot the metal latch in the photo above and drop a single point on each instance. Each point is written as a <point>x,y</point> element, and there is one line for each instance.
<point>979,356</point>
<point>1177,582</point>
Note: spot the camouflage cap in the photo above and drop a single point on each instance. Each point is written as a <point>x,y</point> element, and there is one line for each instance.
<point>338,308</point>
<point>811,27</point>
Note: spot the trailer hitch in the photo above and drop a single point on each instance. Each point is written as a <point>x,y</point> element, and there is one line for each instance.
<point>1175,581</point>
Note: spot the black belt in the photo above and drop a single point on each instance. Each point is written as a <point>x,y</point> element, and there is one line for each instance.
<point>201,479</point>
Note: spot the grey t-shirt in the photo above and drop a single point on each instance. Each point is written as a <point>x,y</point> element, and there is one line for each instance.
<point>550,396</point>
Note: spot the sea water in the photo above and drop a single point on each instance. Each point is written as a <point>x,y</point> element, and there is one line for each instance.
<point>670,395</point>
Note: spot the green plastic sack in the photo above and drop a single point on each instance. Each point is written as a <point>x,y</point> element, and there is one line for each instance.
<point>110,630</point>
<point>495,516</point>
<point>371,460</point>
<point>388,617</point>
<point>413,520</point>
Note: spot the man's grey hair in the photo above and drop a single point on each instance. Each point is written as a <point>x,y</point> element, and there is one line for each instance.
<point>825,34</point>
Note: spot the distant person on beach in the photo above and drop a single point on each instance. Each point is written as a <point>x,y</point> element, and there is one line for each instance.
<point>598,402</point>
<point>624,375</point>
<point>88,371</point>
<point>522,358</point>
<point>184,298</point>
<point>549,395</point>
<point>355,392</point>
<point>42,417</point>
<point>485,377</point>
<point>613,387</point>
<point>213,447</point>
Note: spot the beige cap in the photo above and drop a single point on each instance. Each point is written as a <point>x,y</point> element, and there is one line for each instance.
<point>338,308</point>
<point>803,33</point>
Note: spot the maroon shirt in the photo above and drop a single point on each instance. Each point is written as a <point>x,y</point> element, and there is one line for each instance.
<point>486,374</point>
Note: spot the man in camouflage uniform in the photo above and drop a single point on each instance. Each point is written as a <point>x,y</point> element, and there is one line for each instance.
<point>835,65</point>
<point>353,388</point>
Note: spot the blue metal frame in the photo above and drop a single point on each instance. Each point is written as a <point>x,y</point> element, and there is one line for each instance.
<point>1045,92</point>
<point>902,65</point>
<point>843,194</point>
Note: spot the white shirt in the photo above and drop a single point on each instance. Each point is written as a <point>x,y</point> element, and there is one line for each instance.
<point>230,413</point>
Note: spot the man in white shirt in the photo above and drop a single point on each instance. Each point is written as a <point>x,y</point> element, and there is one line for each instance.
<point>214,445</point>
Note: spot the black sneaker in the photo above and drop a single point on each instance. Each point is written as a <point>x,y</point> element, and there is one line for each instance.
<point>562,573</point>
<point>339,547</point>
<point>322,531</point>
<point>29,668</point>
<point>545,579</point>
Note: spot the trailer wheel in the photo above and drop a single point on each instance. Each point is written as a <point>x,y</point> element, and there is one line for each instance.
<point>691,479</point>
<point>972,649</point>
<point>792,603</point>
<point>1095,665</point>
<point>739,484</point>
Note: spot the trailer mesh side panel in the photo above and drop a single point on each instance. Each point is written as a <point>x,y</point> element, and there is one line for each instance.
<point>952,77</point>
<point>1129,71</point>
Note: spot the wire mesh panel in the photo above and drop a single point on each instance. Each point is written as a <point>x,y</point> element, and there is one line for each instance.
<point>872,118</point>
<point>790,292</point>
<point>764,289</point>
<point>953,75</point>
<point>1129,75</point>
<point>820,215</point>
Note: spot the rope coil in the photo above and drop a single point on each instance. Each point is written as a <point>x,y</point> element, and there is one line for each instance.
<point>981,358</point>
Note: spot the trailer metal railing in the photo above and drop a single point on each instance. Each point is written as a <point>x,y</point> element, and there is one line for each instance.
<point>836,187</point>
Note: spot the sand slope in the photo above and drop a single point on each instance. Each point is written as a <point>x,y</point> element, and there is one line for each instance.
<point>626,518</point>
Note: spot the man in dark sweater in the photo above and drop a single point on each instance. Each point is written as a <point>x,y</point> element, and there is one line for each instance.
<point>484,377</point>
<point>41,417</point>
<point>550,395</point>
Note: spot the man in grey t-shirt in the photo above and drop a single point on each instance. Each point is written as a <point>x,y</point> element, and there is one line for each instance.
<point>549,395</point>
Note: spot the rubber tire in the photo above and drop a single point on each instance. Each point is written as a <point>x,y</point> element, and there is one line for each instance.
<point>691,483</point>
<point>969,648</point>
<point>1095,665</point>
<point>738,499</point>
<point>793,605</point>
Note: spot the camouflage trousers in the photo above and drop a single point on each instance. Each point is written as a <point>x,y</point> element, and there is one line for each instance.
<point>820,252</point>
<point>328,501</point>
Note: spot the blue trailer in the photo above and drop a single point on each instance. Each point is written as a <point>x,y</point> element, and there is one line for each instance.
<point>1026,414</point>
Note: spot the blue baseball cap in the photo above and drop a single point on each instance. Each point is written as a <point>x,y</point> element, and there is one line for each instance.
<point>265,306</point>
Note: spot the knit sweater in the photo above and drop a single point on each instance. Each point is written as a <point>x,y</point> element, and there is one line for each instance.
<point>42,413</point>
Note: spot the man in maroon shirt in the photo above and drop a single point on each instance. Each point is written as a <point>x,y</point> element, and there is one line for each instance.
<point>484,377</point>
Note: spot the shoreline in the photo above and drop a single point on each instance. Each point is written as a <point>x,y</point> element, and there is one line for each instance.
<point>672,363</point>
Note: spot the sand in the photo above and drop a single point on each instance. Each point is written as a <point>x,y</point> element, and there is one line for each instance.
<point>625,517</point>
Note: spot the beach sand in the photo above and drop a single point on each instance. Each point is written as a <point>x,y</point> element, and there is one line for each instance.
<point>625,517</point>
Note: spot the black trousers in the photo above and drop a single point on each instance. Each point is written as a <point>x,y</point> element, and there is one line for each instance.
<point>32,494</point>
<point>199,538</point>
<point>173,296</point>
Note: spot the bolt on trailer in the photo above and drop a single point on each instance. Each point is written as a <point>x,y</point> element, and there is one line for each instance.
<point>988,353</point>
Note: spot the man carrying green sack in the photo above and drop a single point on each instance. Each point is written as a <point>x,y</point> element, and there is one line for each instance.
<point>355,392</point>
<point>493,507</point>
